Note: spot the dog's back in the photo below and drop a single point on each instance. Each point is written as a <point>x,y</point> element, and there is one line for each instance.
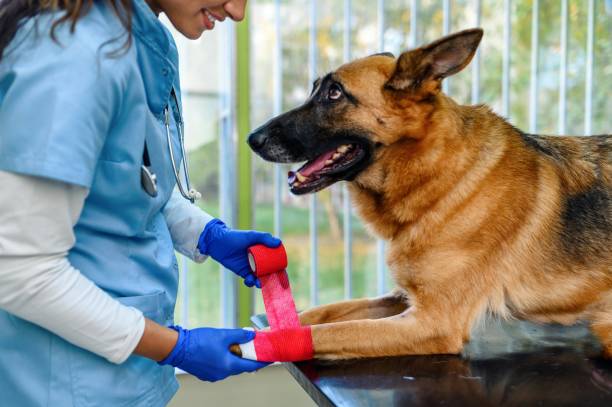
<point>584,167</point>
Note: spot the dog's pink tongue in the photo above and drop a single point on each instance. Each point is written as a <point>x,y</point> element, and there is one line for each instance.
<point>317,164</point>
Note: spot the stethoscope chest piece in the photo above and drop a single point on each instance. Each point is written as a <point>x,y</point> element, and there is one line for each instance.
<point>148,181</point>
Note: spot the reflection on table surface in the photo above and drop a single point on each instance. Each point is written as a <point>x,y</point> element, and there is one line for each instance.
<point>506,363</point>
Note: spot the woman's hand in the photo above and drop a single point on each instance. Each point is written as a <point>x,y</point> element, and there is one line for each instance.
<point>229,247</point>
<point>205,353</point>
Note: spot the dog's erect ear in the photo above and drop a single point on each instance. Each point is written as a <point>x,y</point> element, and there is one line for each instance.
<point>425,67</point>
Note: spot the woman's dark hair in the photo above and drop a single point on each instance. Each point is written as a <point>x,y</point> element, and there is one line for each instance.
<point>13,13</point>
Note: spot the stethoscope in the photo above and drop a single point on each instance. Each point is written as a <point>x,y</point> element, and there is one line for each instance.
<point>148,178</point>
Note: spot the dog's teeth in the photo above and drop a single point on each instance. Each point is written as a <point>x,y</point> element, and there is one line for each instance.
<point>300,177</point>
<point>329,162</point>
<point>336,155</point>
<point>343,149</point>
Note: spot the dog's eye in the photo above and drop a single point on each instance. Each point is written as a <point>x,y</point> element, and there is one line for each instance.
<point>334,92</point>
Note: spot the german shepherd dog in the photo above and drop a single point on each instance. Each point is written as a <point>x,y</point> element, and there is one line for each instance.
<point>479,216</point>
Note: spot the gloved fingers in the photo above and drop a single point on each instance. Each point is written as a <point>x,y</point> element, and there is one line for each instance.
<point>238,336</point>
<point>243,271</point>
<point>240,365</point>
<point>250,280</point>
<point>263,238</point>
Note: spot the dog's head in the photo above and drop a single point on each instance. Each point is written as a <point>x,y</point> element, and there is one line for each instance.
<point>356,111</point>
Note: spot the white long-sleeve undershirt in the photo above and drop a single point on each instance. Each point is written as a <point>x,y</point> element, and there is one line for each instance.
<point>186,222</point>
<point>38,283</point>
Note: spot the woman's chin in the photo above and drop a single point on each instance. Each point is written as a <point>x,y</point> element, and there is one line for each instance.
<point>192,28</point>
<point>193,32</point>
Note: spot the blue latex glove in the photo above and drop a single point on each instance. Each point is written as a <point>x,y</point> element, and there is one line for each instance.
<point>229,247</point>
<point>204,352</point>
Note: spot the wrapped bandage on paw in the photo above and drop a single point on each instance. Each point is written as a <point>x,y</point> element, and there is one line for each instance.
<point>282,345</point>
<point>287,340</point>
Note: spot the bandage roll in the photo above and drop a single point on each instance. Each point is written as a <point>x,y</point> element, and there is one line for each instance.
<point>265,260</point>
<point>287,340</point>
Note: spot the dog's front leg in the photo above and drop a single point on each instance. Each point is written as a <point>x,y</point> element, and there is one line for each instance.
<point>365,308</point>
<point>410,333</point>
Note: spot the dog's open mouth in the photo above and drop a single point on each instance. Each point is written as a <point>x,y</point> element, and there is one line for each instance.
<point>326,168</point>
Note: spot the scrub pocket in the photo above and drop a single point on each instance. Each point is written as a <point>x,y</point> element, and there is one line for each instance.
<point>99,382</point>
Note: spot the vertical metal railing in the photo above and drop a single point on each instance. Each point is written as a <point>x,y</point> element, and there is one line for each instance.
<point>277,109</point>
<point>588,91</point>
<point>563,69</point>
<point>446,24</point>
<point>184,281</point>
<point>506,60</point>
<point>533,82</point>
<point>414,18</point>
<point>381,275</point>
<point>380,23</point>
<point>347,223</point>
<point>227,173</point>
<point>476,62</point>
<point>314,241</point>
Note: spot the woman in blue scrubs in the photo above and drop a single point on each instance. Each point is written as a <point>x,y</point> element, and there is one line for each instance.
<point>89,92</point>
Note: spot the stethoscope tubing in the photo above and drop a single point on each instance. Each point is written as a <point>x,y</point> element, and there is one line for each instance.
<point>149,179</point>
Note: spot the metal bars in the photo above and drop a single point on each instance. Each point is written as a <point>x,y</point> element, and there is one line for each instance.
<point>227,173</point>
<point>414,14</point>
<point>446,23</point>
<point>588,91</point>
<point>506,61</point>
<point>380,244</point>
<point>476,61</point>
<point>314,241</point>
<point>347,224</point>
<point>184,281</point>
<point>381,24</point>
<point>563,69</point>
<point>533,82</point>
<point>277,109</point>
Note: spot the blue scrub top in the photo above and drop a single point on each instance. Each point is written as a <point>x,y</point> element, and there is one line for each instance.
<point>70,112</point>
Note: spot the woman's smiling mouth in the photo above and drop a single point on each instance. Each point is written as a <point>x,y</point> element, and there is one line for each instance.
<point>209,19</point>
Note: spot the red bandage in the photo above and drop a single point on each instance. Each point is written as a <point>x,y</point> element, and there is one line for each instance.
<point>269,266</point>
<point>267,260</point>
<point>284,345</point>
<point>287,340</point>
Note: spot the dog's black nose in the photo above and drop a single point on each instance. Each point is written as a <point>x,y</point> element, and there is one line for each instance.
<point>257,139</point>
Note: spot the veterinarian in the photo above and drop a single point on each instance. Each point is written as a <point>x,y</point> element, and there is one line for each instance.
<point>90,214</point>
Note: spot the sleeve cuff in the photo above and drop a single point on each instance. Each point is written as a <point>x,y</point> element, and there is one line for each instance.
<point>131,341</point>
<point>186,223</point>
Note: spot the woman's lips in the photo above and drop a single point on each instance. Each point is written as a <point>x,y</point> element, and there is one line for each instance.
<point>217,16</point>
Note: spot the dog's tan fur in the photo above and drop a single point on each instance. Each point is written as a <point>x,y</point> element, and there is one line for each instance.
<point>479,217</point>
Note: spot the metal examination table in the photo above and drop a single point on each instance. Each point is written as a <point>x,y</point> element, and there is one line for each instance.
<point>505,364</point>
